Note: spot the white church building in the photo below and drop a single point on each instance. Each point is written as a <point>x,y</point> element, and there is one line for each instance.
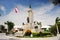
<point>31,25</point>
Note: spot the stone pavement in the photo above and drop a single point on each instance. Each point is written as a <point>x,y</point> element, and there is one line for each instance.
<point>4,37</point>
<point>14,38</point>
<point>50,38</point>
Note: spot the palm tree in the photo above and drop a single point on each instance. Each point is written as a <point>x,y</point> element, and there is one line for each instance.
<point>57,20</point>
<point>10,25</point>
<point>53,30</point>
<point>56,23</point>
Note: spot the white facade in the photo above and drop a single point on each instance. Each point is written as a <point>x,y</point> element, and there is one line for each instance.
<point>31,25</point>
<point>30,15</point>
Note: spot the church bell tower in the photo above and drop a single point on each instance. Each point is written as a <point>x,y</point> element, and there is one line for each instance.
<point>30,17</point>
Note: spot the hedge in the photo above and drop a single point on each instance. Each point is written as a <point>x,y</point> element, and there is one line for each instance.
<point>40,34</point>
<point>27,33</point>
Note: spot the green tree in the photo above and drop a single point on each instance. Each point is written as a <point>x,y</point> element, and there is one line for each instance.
<point>58,23</point>
<point>10,25</point>
<point>59,26</point>
<point>57,20</point>
<point>56,27</point>
<point>53,30</point>
<point>55,2</point>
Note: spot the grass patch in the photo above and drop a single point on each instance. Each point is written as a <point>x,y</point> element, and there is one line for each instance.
<point>38,35</point>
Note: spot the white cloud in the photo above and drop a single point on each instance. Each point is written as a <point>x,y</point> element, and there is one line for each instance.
<point>17,18</point>
<point>43,9</point>
<point>58,11</point>
<point>2,8</point>
<point>39,15</point>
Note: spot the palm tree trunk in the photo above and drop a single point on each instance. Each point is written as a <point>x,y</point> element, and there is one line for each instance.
<point>57,29</point>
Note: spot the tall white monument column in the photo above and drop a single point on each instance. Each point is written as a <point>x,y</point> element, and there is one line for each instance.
<point>30,17</point>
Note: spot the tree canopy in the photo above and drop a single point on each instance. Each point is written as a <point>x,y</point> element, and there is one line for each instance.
<point>55,2</point>
<point>10,25</point>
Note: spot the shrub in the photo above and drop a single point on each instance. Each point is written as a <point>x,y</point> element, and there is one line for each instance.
<point>47,33</point>
<point>53,30</point>
<point>7,33</point>
<point>28,33</point>
<point>35,34</point>
<point>42,34</point>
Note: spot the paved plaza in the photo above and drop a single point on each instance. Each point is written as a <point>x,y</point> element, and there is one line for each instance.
<point>4,37</point>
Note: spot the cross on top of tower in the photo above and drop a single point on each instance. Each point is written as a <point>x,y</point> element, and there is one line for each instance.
<point>30,6</point>
<point>30,9</point>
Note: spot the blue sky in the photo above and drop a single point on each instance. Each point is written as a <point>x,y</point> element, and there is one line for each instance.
<point>43,10</point>
<point>9,4</point>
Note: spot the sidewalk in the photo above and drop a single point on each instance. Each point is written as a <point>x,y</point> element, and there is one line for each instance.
<point>4,37</point>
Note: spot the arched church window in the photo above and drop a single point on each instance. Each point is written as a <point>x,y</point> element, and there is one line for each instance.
<point>27,19</point>
<point>36,27</point>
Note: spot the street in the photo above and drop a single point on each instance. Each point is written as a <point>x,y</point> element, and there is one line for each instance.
<point>4,37</point>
